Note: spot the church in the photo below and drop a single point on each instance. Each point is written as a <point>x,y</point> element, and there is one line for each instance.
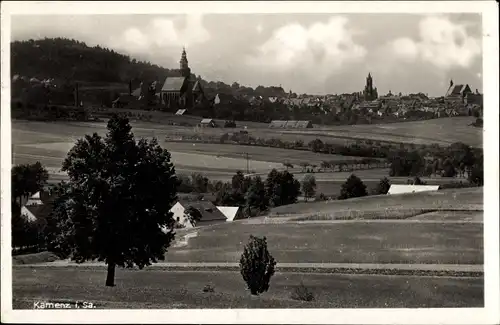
<point>370,93</point>
<point>180,90</point>
<point>183,91</point>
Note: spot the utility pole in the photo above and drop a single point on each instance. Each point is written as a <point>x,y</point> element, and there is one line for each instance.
<point>248,169</point>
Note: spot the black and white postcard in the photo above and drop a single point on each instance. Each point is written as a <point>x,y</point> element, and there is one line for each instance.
<point>250,162</point>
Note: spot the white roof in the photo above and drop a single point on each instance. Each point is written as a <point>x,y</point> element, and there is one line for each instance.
<point>229,212</point>
<point>402,189</point>
<point>180,112</point>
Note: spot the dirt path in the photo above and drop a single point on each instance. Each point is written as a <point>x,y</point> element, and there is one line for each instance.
<point>362,266</point>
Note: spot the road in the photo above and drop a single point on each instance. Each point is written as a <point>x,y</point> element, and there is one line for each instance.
<point>458,268</point>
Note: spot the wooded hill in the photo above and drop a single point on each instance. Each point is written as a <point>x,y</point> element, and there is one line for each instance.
<point>66,59</point>
<point>69,61</point>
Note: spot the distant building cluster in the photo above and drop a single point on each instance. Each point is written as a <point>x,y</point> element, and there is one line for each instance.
<point>291,124</point>
<point>457,100</point>
<point>182,91</point>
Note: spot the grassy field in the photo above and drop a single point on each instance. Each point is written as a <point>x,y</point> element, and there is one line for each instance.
<point>361,242</point>
<point>255,153</point>
<point>445,199</point>
<point>443,131</point>
<point>160,289</point>
<point>50,142</point>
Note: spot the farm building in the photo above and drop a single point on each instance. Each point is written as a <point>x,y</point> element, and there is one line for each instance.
<point>290,124</point>
<point>123,100</point>
<point>405,189</point>
<point>208,122</point>
<point>180,111</point>
<point>210,214</point>
<point>38,206</point>
<point>231,213</point>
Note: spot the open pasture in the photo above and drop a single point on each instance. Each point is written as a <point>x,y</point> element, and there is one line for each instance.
<point>452,199</point>
<point>340,242</point>
<point>255,153</point>
<point>444,131</point>
<point>171,289</point>
<point>197,162</point>
<point>50,142</point>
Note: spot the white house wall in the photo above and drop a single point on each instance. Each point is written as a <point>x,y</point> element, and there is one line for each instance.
<point>403,189</point>
<point>179,216</point>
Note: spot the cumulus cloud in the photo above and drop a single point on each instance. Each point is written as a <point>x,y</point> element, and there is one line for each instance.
<point>442,42</point>
<point>317,49</point>
<point>161,33</point>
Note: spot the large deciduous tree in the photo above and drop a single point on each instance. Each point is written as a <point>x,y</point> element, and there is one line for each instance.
<point>282,188</point>
<point>27,180</point>
<point>309,186</point>
<point>194,215</point>
<point>116,205</point>
<point>255,197</point>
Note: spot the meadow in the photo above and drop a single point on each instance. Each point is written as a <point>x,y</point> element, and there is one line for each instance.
<point>345,242</point>
<point>443,131</point>
<point>173,289</point>
<point>49,142</point>
<point>450,199</point>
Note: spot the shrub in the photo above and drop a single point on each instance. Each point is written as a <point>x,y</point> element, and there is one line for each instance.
<point>208,288</point>
<point>382,187</point>
<point>418,181</point>
<point>302,293</point>
<point>321,197</point>
<point>229,124</point>
<point>353,187</point>
<point>257,265</point>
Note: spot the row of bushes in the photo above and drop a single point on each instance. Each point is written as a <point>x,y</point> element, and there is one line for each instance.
<point>51,113</point>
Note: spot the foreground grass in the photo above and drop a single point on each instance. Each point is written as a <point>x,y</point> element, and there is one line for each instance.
<point>160,289</point>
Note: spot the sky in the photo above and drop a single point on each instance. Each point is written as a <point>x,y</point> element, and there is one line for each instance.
<point>305,53</point>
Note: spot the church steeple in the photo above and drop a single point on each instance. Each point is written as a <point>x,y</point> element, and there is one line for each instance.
<point>370,92</point>
<point>185,70</point>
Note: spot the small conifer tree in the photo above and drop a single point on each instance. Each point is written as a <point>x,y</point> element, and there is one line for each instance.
<point>257,265</point>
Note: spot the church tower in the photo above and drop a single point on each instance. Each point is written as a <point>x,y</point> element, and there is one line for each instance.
<point>185,70</point>
<point>370,93</point>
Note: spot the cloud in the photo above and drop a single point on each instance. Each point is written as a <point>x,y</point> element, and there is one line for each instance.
<point>163,33</point>
<point>442,42</point>
<point>314,50</point>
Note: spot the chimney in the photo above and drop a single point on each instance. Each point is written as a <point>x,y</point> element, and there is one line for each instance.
<point>130,87</point>
<point>477,92</point>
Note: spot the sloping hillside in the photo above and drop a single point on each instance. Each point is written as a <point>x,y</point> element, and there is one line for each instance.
<point>66,59</point>
<point>440,200</point>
